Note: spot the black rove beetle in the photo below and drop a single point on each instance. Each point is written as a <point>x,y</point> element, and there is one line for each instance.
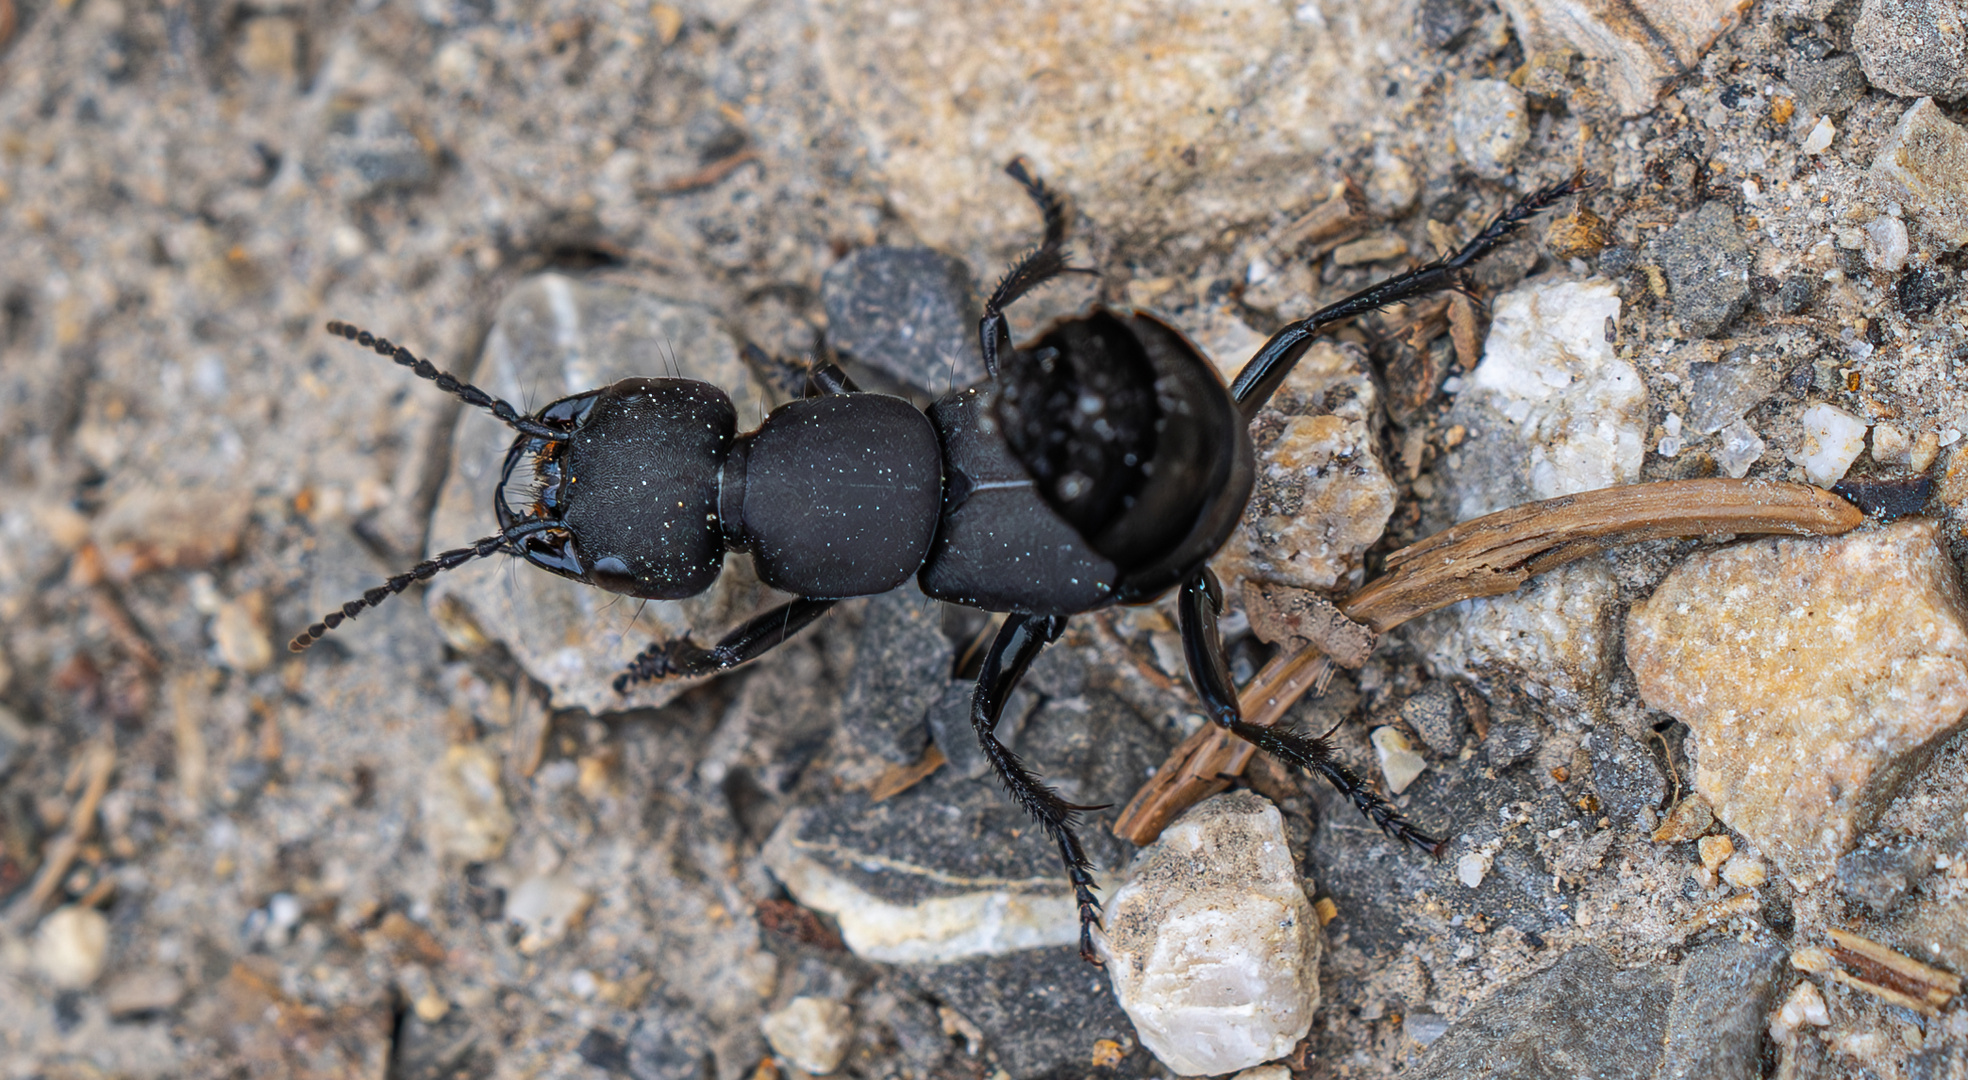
<point>1103,463</point>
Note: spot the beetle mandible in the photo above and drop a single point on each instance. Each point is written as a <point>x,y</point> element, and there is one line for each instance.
<point>1102,463</point>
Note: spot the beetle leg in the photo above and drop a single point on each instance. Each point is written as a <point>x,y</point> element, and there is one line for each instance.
<point>1266,371</point>
<point>1038,266</point>
<point>1017,645</point>
<point>759,635</point>
<point>794,379</point>
<point>1202,647</point>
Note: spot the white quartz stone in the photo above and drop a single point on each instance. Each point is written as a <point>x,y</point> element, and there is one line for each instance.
<point>1398,761</point>
<point>1579,411</point>
<point>1212,946</point>
<point>1833,439</point>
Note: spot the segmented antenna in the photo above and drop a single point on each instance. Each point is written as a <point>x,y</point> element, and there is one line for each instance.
<point>447,382</point>
<point>423,571</point>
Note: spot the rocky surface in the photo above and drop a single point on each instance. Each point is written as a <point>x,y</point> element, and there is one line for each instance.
<point>1212,945</point>
<point>1815,676</point>
<point>438,844</point>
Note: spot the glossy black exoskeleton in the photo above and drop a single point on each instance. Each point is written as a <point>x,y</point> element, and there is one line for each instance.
<point>1103,463</point>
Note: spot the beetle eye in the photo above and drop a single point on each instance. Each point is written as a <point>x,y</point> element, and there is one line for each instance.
<point>611,573</point>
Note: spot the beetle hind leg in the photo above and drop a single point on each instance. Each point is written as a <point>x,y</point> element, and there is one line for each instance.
<point>1017,645</point>
<point>762,633</point>
<point>1202,646</point>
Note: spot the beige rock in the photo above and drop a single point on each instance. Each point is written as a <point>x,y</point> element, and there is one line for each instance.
<point>1641,45</point>
<point>71,946</point>
<point>1323,496</point>
<point>465,813</point>
<point>1816,675</point>
<point>546,907</point>
<point>1924,164</point>
<point>1160,118</point>
<point>240,631</point>
<point>811,1032</point>
<point>554,336</point>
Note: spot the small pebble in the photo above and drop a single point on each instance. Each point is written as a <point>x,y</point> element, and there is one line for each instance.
<point>810,1032</point>
<point>546,907</point>
<point>1745,872</point>
<point>1398,761</point>
<point>1491,123</point>
<point>1435,713</point>
<point>465,814</point>
<point>1391,187</point>
<point>1819,139</point>
<point>1686,820</point>
<point>72,946</point>
<point>1886,244</point>
<point>1829,85</point>
<point>1715,850</point>
<point>1265,1072</point>
<point>1890,446</point>
<point>1833,440</point>
<point>1925,450</point>
<point>1472,867</point>
<point>240,636</point>
<point>1707,263</point>
<point>1371,249</point>
<point>1804,1006</point>
<point>1741,447</point>
<point>1424,1027</point>
<point>143,991</point>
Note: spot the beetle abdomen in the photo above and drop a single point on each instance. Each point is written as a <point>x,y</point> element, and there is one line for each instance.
<point>836,496</point>
<point>1001,547</point>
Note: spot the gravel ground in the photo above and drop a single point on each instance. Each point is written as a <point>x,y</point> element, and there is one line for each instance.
<point>410,852</point>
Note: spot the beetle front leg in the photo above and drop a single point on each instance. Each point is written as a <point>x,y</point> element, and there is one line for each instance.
<point>757,636</point>
<point>1017,645</point>
<point>1202,647</point>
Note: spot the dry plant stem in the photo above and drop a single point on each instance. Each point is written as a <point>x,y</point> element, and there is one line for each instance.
<point>1892,977</point>
<point>98,763</point>
<point>1486,556</point>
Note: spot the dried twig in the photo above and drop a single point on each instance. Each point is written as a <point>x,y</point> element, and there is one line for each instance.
<point>1488,556</point>
<point>1890,976</point>
<point>98,763</point>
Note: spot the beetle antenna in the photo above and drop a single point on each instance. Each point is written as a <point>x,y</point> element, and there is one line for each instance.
<point>423,571</point>
<point>447,382</point>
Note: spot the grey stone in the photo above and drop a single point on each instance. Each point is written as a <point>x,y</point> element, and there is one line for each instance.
<point>1914,48</point>
<point>1424,1027</point>
<point>952,868</point>
<point>1441,23</point>
<point>1796,293</point>
<point>910,313</point>
<point>1707,263</point>
<point>900,667</point>
<point>1828,86</point>
<point>1720,393</point>
<point>1626,777</point>
<point>1039,1010</point>
<point>1922,289</point>
<point>1435,714</point>
<point>950,729</point>
<point>1722,998</point>
<point>668,1044</point>
<point>1581,1017</point>
<point>1880,878</point>
<point>1510,743</point>
<point>375,153</point>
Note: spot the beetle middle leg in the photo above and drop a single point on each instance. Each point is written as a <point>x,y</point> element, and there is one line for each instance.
<point>1202,647</point>
<point>1017,645</point>
<point>759,635</point>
